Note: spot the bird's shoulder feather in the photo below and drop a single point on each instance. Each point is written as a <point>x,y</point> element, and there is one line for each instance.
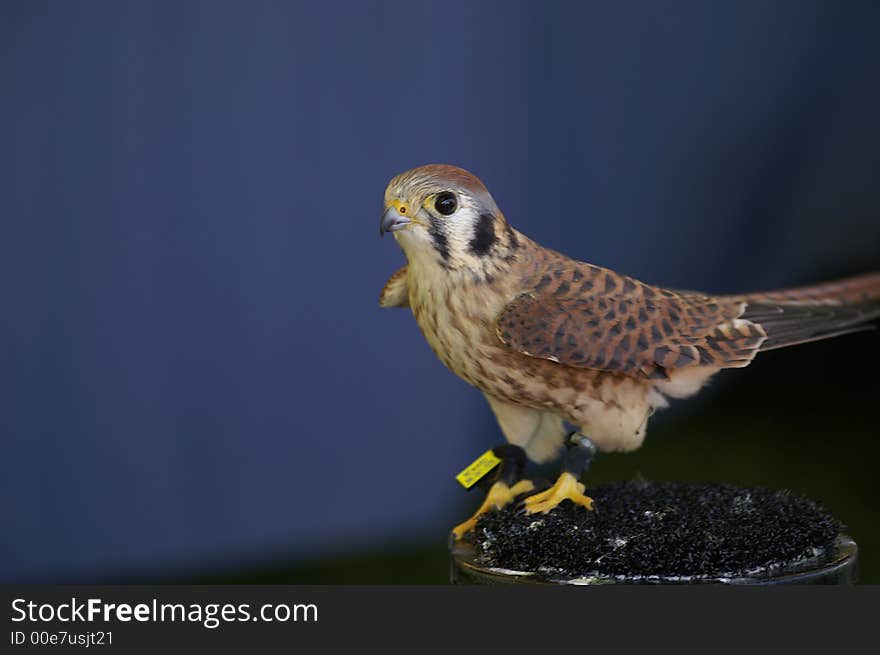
<point>395,293</point>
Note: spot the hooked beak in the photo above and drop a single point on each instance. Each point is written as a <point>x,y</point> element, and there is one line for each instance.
<point>392,220</point>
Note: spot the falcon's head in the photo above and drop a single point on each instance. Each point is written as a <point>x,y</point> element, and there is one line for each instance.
<point>444,214</point>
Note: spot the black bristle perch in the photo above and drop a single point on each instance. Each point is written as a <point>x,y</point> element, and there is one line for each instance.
<point>659,532</point>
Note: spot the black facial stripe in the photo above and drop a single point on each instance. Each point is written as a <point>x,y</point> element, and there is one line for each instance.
<point>484,235</point>
<point>441,243</point>
<point>511,236</point>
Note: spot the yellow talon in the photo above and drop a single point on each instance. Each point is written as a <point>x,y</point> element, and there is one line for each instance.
<point>566,488</point>
<point>499,495</point>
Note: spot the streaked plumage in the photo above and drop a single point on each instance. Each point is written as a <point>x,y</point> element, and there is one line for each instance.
<point>549,339</point>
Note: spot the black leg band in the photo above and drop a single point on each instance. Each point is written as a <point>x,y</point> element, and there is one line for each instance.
<point>509,471</point>
<point>513,463</point>
<point>580,452</point>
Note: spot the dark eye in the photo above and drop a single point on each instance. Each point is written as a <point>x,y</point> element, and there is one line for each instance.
<point>445,203</point>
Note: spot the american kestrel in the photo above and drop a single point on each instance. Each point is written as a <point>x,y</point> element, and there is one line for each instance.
<point>550,340</point>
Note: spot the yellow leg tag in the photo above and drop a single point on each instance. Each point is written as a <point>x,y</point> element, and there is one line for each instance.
<point>480,467</point>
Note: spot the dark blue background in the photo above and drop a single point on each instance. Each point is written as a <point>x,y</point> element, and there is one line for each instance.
<point>194,368</point>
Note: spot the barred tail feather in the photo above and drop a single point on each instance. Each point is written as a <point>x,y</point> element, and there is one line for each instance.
<point>805,314</point>
<point>852,290</point>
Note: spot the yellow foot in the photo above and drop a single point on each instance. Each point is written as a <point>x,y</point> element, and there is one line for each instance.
<point>566,488</point>
<point>499,495</point>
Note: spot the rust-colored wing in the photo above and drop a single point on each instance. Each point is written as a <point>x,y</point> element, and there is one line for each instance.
<point>590,317</point>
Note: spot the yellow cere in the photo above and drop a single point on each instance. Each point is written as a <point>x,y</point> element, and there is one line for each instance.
<point>480,466</point>
<point>401,207</point>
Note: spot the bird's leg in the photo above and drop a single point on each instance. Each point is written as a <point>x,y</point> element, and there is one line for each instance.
<point>508,484</point>
<point>580,453</point>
